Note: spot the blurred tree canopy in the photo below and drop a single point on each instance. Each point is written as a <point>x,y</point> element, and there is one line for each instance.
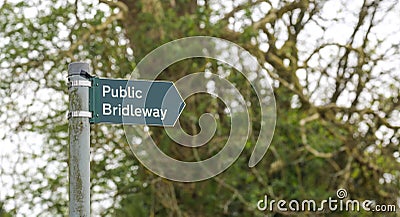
<point>335,72</point>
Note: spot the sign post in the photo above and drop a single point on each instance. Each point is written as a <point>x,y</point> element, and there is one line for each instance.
<point>79,140</point>
<point>94,100</point>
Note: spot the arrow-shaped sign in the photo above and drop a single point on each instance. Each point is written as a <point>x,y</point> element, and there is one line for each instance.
<point>120,101</point>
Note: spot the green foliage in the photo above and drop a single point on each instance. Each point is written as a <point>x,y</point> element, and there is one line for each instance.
<point>113,36</point>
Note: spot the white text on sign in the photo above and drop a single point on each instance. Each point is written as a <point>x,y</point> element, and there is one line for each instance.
<point>128,110</point>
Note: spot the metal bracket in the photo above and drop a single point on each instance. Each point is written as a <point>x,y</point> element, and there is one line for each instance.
<point>82,73</point>
<point>80,83</point>
<point>93,95</point>
<point>79,114</point>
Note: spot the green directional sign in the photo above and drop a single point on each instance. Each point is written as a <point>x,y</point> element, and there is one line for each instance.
<point>120,101</point>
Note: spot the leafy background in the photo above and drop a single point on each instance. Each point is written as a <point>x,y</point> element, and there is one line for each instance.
<point>335,72</point>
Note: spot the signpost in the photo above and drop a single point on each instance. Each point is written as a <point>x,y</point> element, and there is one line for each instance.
<point>79,140</point>
<point>94,100</point>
